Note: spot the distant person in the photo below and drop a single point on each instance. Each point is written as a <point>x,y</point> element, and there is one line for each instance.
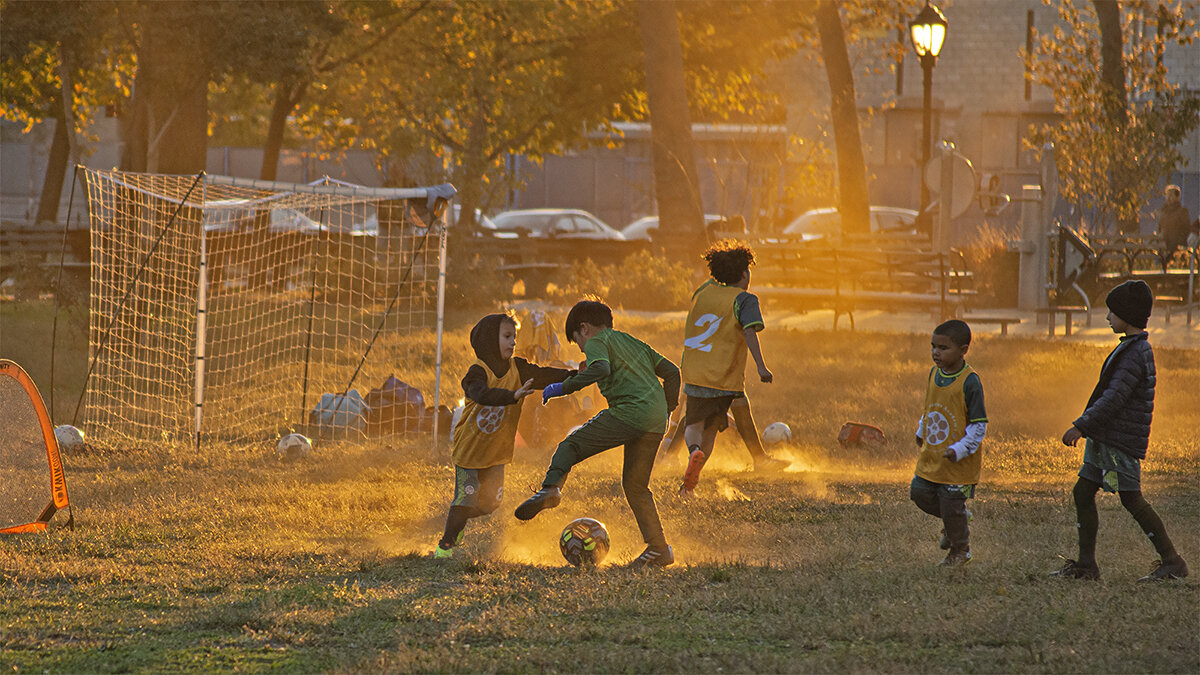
<point>949,434</point>
<point>484,437</point>
<point>721,328</point>
<point>628,372</point>
<point>1116,424</point>
<point>1173,222</point>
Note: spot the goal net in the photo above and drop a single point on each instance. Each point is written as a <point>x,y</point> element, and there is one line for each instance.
<point>224,308</point>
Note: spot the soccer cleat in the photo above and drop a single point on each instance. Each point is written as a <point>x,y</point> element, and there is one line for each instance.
<point>1167,570</point>
<point>956,559</point>
<point>546,498</point>
<point>652,557</point>
<point>768,464</point>
<point>1074,570</point>
<point>691,476</point>
<point>944,542</point>
<point>440,553</point>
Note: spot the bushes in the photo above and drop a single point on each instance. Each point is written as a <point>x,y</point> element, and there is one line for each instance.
<point>642,281</point>
<point>994,267</point>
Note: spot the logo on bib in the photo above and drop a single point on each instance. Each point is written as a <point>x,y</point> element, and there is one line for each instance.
<point>937,428</point>
<point>489,418</point>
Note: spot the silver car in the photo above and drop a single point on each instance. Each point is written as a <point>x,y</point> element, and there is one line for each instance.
<point>827,223</point>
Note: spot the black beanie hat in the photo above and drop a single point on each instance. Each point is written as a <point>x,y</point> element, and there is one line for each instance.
<point>1131,302</point>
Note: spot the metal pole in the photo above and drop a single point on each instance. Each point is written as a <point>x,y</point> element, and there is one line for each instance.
<point>926,135</point>
<point>441,315</point>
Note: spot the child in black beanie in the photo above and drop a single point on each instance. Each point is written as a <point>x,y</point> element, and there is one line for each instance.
<point>1116,424</point>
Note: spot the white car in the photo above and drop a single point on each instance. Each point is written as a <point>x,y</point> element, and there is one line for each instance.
<point>554,224</point>
<point>827,223</point>
<point>643,229</point>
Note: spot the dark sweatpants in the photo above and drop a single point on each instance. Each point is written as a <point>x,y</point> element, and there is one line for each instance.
<point>948,502</point>
<point>600,433</point>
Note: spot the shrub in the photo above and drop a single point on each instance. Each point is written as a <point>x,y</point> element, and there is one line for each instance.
<point>641,281</point>
<point>994,267</point>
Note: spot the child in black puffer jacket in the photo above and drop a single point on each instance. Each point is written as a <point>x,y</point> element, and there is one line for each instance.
<point>1116,424</point>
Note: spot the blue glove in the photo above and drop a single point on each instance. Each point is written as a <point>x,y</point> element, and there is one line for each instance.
<point>552,391</point>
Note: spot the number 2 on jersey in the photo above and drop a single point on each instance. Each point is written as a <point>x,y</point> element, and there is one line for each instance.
<point>698,341</point>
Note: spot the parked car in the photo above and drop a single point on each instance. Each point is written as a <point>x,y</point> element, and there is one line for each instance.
<point>827,223</point>
<point>482,220</point>
<point>643,229</point>
<point>554,224</point>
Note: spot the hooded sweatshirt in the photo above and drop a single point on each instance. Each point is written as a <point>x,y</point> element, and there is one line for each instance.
<point>485,433</point>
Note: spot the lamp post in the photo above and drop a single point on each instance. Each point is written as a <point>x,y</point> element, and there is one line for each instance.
<point>928,32</point>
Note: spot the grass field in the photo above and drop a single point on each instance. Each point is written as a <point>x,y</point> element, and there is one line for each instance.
<point>231,560</point>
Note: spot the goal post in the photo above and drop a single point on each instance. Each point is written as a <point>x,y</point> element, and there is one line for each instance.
<point>223,308</point>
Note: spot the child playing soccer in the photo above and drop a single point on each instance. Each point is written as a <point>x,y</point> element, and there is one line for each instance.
<point>627,371</point>
<point>483,439</point>
<point>721,328</point>
<point>1116,424</point>
<point>949,434</point>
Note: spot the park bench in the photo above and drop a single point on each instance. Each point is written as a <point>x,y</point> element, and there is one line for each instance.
<point>1175,288</point>
<point>1053,311</point>
<point>806,275</point>
<point>1003,321</point>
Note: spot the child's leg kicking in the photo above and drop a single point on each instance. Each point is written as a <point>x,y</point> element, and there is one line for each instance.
<point>600,433</point>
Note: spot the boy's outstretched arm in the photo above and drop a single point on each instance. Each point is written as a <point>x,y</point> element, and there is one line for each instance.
<point>669,373</point>
<point>474,385</point>
<point>541,375</point>
<point>751,336</point>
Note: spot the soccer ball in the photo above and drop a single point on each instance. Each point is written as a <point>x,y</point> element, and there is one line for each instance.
<point>293,447</point>
<point>68,437</point>
<point>584,542</point>
<point>777,433</point>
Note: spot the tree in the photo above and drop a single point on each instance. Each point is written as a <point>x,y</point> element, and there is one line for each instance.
<point>852,171</point>
<point>50,70</point>
<point>677,186</point>
<point>1118,134</point>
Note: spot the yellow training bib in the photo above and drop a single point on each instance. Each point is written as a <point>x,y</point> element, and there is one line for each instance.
<point>485,434</point>
<point>945,423</point>
<point>714,348</point>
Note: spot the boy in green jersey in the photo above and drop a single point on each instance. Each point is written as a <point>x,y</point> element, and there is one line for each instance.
<point>628,372</point>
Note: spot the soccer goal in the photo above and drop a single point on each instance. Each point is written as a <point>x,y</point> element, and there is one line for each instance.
<point>223,308</point>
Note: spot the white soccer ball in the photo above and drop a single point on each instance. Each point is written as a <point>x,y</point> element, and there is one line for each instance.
<point>293,447</point>
<point>777,433</point>
<point>68,437</point>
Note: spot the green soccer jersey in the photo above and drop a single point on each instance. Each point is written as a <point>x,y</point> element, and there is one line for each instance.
<point>634,393</point>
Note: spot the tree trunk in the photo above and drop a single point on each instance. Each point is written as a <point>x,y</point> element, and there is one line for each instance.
<point>852,172</point>
<point>287,95</point>
<point>178,125</point>
<point>1115,99</point>
<point>677,187</point>
<point>56,168</point>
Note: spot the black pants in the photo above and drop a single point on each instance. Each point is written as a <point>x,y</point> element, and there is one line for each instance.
<point>602,432</point>
<point>948,502</point>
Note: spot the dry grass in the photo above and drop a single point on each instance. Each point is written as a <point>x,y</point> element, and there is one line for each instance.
<point>233,561</point>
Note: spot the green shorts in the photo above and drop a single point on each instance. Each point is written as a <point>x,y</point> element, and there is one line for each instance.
<point>479,488</point>
<point>1114,470</point>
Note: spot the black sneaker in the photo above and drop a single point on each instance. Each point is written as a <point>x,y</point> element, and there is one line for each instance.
<point>652,557</point>
<point>1176,569</point>
<point>1075,570</point>
<point>546,498</point>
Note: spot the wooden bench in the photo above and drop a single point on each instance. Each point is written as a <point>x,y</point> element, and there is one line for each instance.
<point>1003,321</point>
<point>807,274</point>
<point>1067,312</point>
<point>44,246</point>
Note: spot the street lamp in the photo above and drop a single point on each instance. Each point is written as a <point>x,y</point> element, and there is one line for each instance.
<point>928,32</point>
